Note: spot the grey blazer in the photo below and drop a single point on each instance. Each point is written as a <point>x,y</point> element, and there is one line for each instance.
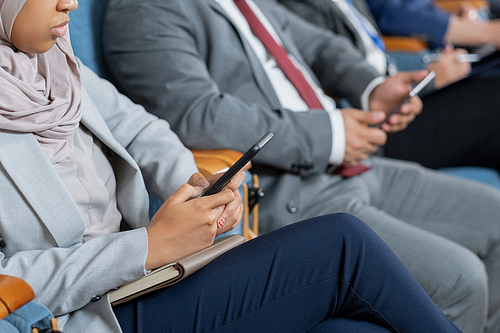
<point>41,224</point>
<point>185,61</point>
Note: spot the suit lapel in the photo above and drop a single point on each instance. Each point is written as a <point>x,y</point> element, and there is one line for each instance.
<point>33,174</point>
<point>279,27</point>
<point>363,8</point>
<point>93,120</point>
<point>345,21</point>
<point>258,71</point>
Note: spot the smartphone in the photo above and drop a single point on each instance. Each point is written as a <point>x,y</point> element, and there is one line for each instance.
<point>238,165</point>
<point>418,88</point>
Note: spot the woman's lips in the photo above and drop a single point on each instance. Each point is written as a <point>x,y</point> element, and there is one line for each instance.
<point>61,30</point>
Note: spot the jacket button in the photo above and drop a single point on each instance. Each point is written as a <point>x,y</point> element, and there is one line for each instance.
<point>292,207</point>
<point>296,167</point>
<point>95,298</point>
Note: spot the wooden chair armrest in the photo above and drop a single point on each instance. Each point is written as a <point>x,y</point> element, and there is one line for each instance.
<point>4,312</point>
<point>212,161</point>
<point>250,232</point>
<point>404,44</point>
<point>453,6</point>
<point>14,293</point>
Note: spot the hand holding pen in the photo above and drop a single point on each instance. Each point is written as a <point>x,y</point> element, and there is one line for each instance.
<point>450,65</point>
<point>469,57</point>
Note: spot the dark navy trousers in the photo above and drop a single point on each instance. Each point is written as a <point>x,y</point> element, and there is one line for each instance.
<point>327,274</point>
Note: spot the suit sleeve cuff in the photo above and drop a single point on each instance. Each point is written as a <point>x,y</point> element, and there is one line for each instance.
<point>338,137</point>
<point>366,94</point>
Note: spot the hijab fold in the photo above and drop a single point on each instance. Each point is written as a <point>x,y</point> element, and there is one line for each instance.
<point>39,93</point>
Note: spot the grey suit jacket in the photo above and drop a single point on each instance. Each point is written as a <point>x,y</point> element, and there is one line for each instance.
<point>185,61</point>
<point>326,14</point>
<point>41,224</point>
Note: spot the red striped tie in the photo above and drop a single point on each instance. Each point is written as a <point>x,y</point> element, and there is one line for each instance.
<point>294,75</point>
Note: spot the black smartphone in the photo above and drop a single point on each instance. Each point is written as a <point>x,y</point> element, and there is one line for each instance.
<point>238,165</point>
<point>418,88</point>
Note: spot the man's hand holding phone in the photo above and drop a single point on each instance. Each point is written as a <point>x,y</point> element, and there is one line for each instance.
<point>397,97</point>
<point>362,139</point>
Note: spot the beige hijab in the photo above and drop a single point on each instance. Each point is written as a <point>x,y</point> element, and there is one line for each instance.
<point>39,93</point>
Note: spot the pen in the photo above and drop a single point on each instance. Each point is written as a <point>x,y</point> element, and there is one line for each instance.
<point>460,57</point>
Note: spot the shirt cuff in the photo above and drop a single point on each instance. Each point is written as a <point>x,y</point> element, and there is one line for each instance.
<point>366,94</point>
<point>338,137</point>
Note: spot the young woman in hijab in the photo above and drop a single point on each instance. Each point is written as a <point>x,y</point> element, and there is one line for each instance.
<point>75,159</point>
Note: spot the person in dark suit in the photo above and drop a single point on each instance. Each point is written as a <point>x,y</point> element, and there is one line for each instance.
<point>495,8</point>
<point>199,64</point>
<point>423,19</point>
<point>451,131</point>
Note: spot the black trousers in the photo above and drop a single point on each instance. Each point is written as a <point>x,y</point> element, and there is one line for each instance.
<point>459,126</point>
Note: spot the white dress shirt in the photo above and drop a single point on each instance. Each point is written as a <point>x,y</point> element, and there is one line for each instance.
<point>286,92</point>
<point>90,179</point>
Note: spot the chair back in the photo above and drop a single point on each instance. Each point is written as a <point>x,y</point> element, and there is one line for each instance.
<point>18,312</point>
<point>85,30</point>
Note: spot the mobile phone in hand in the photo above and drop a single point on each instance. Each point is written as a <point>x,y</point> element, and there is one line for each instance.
<point>418,88</point>
<point>238,165</point>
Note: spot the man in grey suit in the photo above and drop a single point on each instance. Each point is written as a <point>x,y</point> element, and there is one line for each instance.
<point>197,64</point>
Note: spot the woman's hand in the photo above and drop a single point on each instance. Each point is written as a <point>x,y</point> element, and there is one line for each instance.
<point>234,210</point>
<point>185,224</point>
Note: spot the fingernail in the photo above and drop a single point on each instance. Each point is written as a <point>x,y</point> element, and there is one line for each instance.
<point>221,222</point>
<point>204,183</point>
<point>378,115</point>
<point>198,191</point>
